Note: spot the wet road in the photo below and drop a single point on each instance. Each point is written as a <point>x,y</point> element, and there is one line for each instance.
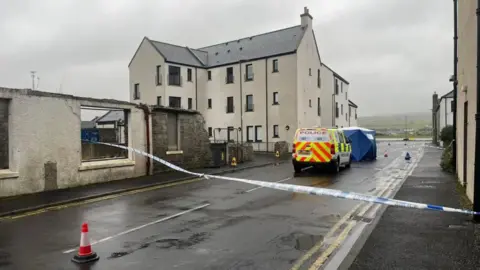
<point>211,224</point>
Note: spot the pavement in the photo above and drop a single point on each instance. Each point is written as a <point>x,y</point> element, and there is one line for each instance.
<point>207,224</point>
<point>30,202</point>
<point>418,239</point>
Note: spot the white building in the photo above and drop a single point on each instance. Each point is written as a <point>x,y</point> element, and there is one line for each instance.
<point>352,114</point>
<point>445,111</point>
<point>263,86</point>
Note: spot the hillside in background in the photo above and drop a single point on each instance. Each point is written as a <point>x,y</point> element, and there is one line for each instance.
<point>414,121</point>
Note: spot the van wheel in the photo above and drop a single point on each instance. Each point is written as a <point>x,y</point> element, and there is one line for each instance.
<point>349,162</point>
<point>336,166</point>
<point>297,169</point>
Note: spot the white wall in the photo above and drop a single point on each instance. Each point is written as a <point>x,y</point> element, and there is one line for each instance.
<point>308,63</point>
<point>184,91</point>
<point>467,42</point>
<point>327,91</point>
<point>142,70</point>
<point>342,99</point>
<point>352,117</point>
<point>284,82</point>
<point>45,128</point>
<point>445,113</point>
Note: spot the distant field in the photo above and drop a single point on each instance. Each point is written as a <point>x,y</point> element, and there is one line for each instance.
<point>414,120</point>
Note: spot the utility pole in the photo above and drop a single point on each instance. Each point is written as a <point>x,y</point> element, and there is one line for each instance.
<point>406,127</point>
<point>476,173</point>
<point>33,79</point>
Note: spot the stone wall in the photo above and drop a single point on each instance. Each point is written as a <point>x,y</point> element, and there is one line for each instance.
<point>3,134</point>
<point>245,152</point>
<point>283,148</point>
<point>194,144</point>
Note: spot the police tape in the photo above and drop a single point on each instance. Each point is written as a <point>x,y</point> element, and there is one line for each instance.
<point>304,189</point>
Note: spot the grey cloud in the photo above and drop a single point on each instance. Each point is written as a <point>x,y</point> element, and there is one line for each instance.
<point>395,53</point>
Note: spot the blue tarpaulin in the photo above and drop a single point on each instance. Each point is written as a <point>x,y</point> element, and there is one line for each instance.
<point>364,144</point>
<point>90,135</point>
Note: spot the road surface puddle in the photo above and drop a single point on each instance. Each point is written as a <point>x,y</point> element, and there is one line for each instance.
<point>301,241</point>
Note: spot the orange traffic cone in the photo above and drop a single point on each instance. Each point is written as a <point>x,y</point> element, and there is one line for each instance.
<point>85,253</point>
<point>385,154</point>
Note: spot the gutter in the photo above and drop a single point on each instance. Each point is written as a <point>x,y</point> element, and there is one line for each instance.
<point>476,184</point>
<point>196,90</point>
<point>241,101</point>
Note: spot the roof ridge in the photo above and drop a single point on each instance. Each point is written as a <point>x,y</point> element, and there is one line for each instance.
<point>196,57</point>
<point>233,40</point>
<point>171,44</point>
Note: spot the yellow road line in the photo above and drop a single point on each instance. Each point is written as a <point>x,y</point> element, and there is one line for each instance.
<point>324,256</point>
<point>320,243</point>
<point>107,197</point>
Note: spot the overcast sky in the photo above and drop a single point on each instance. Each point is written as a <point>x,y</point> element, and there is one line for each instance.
<point>394,53</point>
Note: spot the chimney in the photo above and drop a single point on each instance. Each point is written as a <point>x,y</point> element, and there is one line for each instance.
<point>306,18</point>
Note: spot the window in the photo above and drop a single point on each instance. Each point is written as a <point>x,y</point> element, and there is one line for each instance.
<point>355,114</point>
<point>209,103</point>
<point>309,72</point>
<point>175,102</point>
<point>336,86</point>
<point>341,138</point>
<point>159,101</point>
<point>230,77</point>
<point>189,74</point>
<point>341,108</point>
<point>249,104</point>
<point>346,95</point>
<point>452,106</point>
<point>172,131</point>
<point>319,113</point>
<point>275,65</point>
<point>310,103</point>
<point>209,75</point>
<point>210,132</point>
<point>4,154</point>
<point>275,131</point>
<point>341,87</point>
<point>190,103</point>
<point>174,77</point>
<point>336,109</point>
<point>230,134</point>
<point>250,134</point>
<point>349,110</point>
<point>230,107</point>
<point>258,133</point>
<point>319,81</point>
<point>275,98</point>
<point>158,76</point>
<point>249,72</point>
<point>136,91</point>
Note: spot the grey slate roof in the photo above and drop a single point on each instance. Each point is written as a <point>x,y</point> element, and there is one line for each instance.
<point>249,48</point>
<point>111,116</point>
<point>178,54</point>
<point>255,47</point>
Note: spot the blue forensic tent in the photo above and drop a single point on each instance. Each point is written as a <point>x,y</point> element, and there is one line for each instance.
<point>364,144</point>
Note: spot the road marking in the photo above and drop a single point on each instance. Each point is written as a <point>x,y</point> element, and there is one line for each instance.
<point>108,197</point>
<point>340,239</point>
<point>141,227</point>
<point>279,181</point>
<point>337,225</point>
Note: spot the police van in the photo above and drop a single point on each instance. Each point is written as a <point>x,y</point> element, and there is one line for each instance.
<point>321,148</point>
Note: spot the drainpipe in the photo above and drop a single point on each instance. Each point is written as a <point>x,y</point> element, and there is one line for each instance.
<point>146,114</point>
<point>334,110</point>
<point>455,84</point>
<point>476,184</point>
<point>196,90</point>
<point>241,100</point>
<point>266,101</point>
